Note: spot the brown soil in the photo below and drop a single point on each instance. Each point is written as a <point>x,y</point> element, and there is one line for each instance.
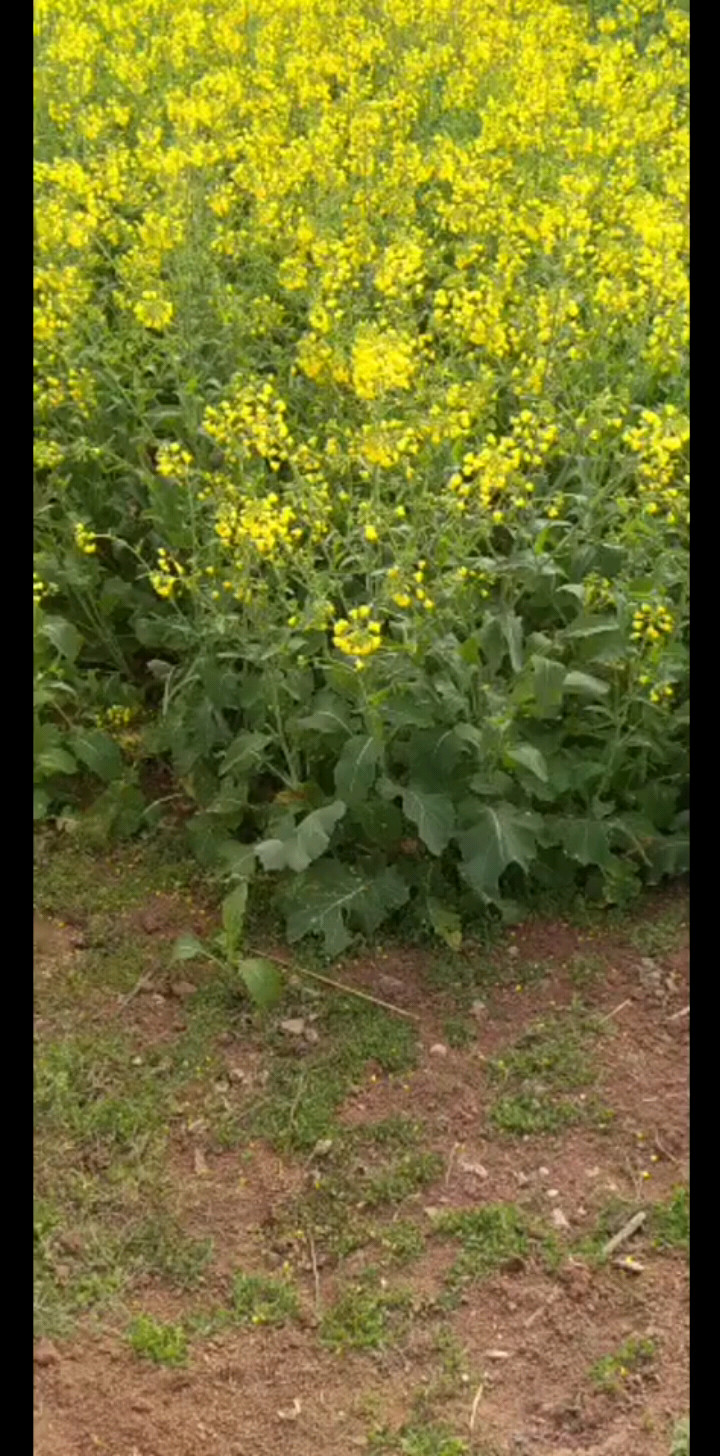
<point>530,1337</point>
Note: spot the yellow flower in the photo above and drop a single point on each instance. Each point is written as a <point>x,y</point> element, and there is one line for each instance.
<point>153,311</point>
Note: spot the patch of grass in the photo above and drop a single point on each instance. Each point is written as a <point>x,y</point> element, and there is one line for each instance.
<point>660,935</point>
<point>257,1300</point>
<point>458,1032</point>
<point>100,1089</point>
<point>547,1063</point>
<point>73,880</point>
<point>610,1371</point>
<point>584,969</point>
<point>669,1223</point>
<point>419,1440</point>
<point>402,1239</point>
<point>681,1438</point>
<point>301,1101</point>
<point>158,1246</point>
<point>414,1170</point>
<point>164,1344</point>
<point>491,1237</point>
<point>397,1131</point>
<point>366,1316</point>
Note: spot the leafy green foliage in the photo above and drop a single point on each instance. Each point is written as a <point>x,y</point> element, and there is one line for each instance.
<point>262,1301</point>
<point>610,1371</point>
<point>373,549</point>
<point>161,1343</point>
<point>365,1316</point>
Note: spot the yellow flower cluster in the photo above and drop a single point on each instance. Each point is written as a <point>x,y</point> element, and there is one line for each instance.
<point>85,539</point>
<point>169,574</point>
<point>650,623</point>
<point>359,636</point>
<point>399,265</point>
<point>383,360</point>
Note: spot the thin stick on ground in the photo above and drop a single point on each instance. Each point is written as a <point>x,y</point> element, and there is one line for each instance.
<point>339,986</point>
<point>144,980</point>
<point>678,1014</point>
<point>625,1233</point>
<point>476,1401</point>
<point>616,1010</point>
<point>316,1275</point>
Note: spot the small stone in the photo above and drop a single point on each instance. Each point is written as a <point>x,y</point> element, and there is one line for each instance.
<point>497,1354</point>
<point>390,983</point>
<point>292,1413</point>
<point>553,1193</point>
<point>475,1169</point>
<point>544,1172</point>
<point>141,1404</point>
<point>438,1050</point>
<point>513,952</point>
<point>478,1008</point>
<point>293,1026</point>
<point>45,1353</point>
<point>236,1074</point>
<point>559,1219</point>
<point>322,1147</point>
<point>182,989</point>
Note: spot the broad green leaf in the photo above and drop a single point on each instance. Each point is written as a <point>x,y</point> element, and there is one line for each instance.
<point>547,680</point>
<point>384,891</point>
<point>55,759</point>
<point>530,758</point>
<point>330,715</point>
<point>330,895</point>
<point>64,636</point>
<point>100,754</point>
<point>233,915</point>
<point>446,923</point>
<point>306,843</point>
<point>325,895</point>
<point>263,982</point>
<point>585,840</point>
<point>381,823</point>
<point>238,859</point>
<point>511,627</point>
<point>41,803</point>
<point>208,838</point>
<point>585,683</point>
<point>669,855</point>
<point>501,836</point>
<point>187,947</point>
<point>244,754</point>
<point>433,756</point>
<point>492,640</point>
<point>356,768</point>
<point>433,814</point>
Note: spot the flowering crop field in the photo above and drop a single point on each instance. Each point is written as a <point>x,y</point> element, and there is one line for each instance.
<point>360,457</point>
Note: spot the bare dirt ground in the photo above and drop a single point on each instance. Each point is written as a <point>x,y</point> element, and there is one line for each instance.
<point>507,1362</point>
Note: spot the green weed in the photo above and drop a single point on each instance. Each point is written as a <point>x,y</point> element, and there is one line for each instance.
<point>538,1073</point>
<point>610,1371</point>
<point>402,1239</point>
<point>669,1224</point>
<point>491,1237</point>
<point>366,1316</point>
<point>257,1300</point>
<point>419,1440</point>
<point>164,1344</point>
<point>458,1032</point>
<point>681,1438</point>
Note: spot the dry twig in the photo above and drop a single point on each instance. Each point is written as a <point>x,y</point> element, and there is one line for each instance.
<point>626,1232</point>
<point>338,986</point>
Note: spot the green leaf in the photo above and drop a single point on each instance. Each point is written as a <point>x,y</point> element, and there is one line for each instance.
<point>330,715</point>
<point>585,840</point>
<point>208,838</point>
<point>385,891</point>
<point>326,894</point>
<point>263,982</point>
<point>433,814</point>
<point>501,836</point>
<point>547,680</point>
<point>512,630</point>
<point>493,643</point>
<point>356,768</point>
<point>530,758</point>
<point>64,636</point>
<point>244,754</point>
<point>322,901</point>
<point>585,683</point>
<point>446,923</point>
<point>55,759</point>
<point>669,855</point>
<point>238,859</point>
<point>41,803</point>
<point>233,916</point>
<point>100,754</point>
<point>381,823</point>
<point>306,843</point>
<point>187,947</point>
